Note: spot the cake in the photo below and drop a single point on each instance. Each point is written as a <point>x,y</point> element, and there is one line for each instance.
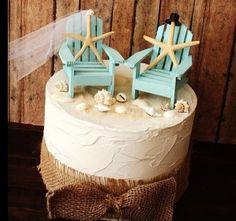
<point>118,148</point>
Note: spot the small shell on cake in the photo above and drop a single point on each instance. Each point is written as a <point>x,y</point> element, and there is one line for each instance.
<point>150,111</point>
<point>62,86</point>
<point>81,106</point>
<point>140,103</point>
<point>182,106</point>
<point>104,97</point>
<point>102,107</point>
<point>120,109</point>
<point>121,97</point>
<point>165,107</point>
<point>145,107</point>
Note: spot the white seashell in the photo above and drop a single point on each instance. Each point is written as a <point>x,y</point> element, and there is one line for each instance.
<point>104,97</point>
<point>182,106</point>
<point>102,107</point>
<point>121,97</point>
<point>140,103</point>
<point>144,106</point>
<point>120,109</point>
<point>169,113</point>
<point>62,86</point>
<point>81,106</point>
<point>150,111</point>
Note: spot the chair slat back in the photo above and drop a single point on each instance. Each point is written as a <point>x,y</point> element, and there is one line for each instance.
<point>181,35</point>
<point>74,26</point>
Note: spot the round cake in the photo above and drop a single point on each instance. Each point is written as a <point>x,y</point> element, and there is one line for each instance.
<point>123,143</point>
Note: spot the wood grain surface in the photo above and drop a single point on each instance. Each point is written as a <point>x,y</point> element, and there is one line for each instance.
<point>212,75</point>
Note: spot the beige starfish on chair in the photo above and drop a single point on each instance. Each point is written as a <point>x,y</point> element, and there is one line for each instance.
<point>169,47</point>
<point>88,40</point>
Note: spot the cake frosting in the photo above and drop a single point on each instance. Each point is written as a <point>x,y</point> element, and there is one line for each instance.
<point>129,144</point>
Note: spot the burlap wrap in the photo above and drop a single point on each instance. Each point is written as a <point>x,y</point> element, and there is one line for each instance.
<point>79,196</point>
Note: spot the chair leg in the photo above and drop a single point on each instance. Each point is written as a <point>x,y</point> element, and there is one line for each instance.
<point>173,93</point>
<point>111,87</point>
<point>172,99</point>
<point>71,84</point>
<point>135,93</point>
<point>172,102</point>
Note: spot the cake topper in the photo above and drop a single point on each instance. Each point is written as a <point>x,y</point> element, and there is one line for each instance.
<point>169,47</point>
<point>175,18</point>
<point>88,40</point>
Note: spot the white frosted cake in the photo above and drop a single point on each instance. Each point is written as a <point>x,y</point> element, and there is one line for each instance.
<point>122,143</point>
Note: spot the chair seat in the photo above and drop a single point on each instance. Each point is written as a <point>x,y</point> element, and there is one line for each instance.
<point>91,73</point>
<point>90,67</point>
<point>153,85</point>
<point>157,76</point>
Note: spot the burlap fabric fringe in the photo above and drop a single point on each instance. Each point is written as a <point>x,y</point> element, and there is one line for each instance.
<point>79,196</point>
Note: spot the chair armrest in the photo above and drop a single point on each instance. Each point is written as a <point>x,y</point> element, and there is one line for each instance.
<point>180,70</point>
<point>138,57</point>
<point>113,54</point>
<point>65,54</point>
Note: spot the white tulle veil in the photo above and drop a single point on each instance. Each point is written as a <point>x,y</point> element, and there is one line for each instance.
<point>34,49</point>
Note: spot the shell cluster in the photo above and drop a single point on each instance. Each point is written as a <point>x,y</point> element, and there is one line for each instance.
<point>62,86</point>
<point>182,106</point>
<point>104,97</point>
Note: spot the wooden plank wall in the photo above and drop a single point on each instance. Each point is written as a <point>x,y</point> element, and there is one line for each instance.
<point>212,76</point>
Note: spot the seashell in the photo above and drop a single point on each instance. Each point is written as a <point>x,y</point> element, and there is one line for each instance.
<point>120,109</point>
<point>144,106</point>
<point>121,97</point>
<point>166,107</point>
<point>104,97</point>
<point>102,107</point>
<point>62,86</point>
<point>169,113</point>
<point>150,111</point>
<point>81,106</point>
<point>182,106</point>
<point>140,103</point>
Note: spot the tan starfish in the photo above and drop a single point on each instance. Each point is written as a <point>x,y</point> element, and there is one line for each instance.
<point>169,47</point>
<point>88,40</point>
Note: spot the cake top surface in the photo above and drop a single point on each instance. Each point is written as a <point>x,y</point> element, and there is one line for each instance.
<point>83,107</point>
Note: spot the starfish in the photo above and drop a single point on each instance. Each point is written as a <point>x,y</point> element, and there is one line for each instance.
<point>88,40</point>
<point>168,48</point>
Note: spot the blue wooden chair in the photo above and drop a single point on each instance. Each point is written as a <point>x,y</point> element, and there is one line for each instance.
<point>164,78</point>
<point>88,69</point>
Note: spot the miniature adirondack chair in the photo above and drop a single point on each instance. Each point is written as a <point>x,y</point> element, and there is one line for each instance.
<point>88,70</point>
<point>163,79</point>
